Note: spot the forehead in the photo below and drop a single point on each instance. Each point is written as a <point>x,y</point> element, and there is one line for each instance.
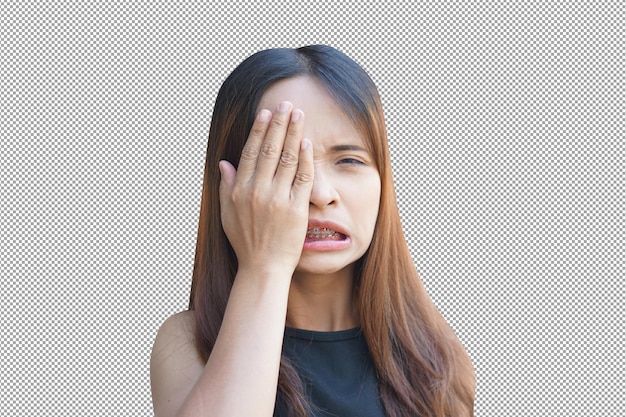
<point>304,92</point>
<point>324,118</point>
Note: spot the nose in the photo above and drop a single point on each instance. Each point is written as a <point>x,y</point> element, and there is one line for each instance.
<point>324,192</point>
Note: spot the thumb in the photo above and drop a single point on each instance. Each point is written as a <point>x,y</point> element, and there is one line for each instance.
<point>227,174</point>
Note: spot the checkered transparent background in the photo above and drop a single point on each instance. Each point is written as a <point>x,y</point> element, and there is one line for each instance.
<point>506,124</point>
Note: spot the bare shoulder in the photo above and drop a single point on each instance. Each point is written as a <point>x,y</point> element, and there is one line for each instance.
<point>177,328</point>
<point>175,364</point>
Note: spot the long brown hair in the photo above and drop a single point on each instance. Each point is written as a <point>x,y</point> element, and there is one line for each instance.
<point>422,367</point>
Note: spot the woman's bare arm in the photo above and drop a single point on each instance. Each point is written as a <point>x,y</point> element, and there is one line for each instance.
<point>265,215</point>
<point>175,364</point>
<point>245,359</point>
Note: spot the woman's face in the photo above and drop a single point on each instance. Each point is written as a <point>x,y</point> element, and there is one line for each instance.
<point>346,188</point>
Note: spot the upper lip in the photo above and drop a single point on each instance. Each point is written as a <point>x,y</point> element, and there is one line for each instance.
<point>328,225</point>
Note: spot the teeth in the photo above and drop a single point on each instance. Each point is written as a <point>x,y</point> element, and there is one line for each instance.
<point>321,233</point>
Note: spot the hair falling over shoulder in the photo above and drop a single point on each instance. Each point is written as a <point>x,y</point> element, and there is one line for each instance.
<point>423,368</point>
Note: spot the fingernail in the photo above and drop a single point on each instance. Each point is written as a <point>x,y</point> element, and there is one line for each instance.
<point>284,107</point>
<point>305,144</point>
<point>264,115</point>
<point>295,115</point>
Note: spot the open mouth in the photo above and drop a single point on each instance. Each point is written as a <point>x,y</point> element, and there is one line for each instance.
<point>323,233</point>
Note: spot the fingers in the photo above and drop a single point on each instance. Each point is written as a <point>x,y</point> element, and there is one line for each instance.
<point>250,152</point>
<point>264,203</point>
<point>303,181</point>
<point>273,155</point>
<point>272,147</point>
<point>290,155</point>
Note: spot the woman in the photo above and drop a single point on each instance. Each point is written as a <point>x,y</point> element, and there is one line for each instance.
<point>305,299</point>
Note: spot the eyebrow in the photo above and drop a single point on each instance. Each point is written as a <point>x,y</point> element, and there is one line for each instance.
<point>339,148</point>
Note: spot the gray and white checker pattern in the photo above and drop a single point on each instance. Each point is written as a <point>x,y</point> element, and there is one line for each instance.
<point>506,123</point>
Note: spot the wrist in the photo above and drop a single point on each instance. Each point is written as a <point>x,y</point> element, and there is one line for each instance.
<point>273,272</point>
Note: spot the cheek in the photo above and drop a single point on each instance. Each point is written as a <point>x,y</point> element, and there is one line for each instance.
<point>375,207</point>
<point>365,204</point>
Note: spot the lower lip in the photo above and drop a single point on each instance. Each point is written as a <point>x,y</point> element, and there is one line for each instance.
<point>326,244</point>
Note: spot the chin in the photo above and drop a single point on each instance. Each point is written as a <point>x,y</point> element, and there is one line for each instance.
<point>317,271</point>
<point>320,267</point>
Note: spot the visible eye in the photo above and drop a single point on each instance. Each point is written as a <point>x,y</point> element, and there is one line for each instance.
<point>351,161</point>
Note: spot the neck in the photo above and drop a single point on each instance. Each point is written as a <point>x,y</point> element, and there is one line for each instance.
<point>322,302</point>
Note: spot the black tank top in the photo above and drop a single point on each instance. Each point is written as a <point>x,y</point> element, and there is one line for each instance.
<point>337,372</point>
